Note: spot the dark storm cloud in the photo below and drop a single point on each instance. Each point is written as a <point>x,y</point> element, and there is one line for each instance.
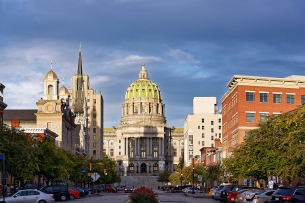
<point>192,48</point>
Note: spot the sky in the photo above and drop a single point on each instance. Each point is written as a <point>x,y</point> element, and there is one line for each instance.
<point>192,48</point>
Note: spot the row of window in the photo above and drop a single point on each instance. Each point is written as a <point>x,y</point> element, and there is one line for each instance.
<point>212,129</point>
<point>277,97</point>
<point>212,122</point>
<point>250,117</point>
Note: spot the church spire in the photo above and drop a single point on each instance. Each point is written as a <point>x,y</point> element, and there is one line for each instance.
<point>80,62</point>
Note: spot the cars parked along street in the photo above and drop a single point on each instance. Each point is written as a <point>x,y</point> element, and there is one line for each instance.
<point>263,197</point>
<point>30,196</point>
<point>60,192</point>
<point>288,194</point>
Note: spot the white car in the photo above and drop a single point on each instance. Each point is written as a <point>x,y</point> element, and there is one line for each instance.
<point>190,190</point>
<point>29,196</point>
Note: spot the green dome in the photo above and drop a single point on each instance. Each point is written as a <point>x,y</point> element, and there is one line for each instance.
<point>143,89</point>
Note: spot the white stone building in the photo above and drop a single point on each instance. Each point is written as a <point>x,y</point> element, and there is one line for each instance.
<point>201,127</point>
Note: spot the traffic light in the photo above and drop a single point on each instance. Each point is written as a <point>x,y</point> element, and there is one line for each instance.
<point>105,171</point>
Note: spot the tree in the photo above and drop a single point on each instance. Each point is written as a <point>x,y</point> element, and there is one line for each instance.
<point>164,176</point>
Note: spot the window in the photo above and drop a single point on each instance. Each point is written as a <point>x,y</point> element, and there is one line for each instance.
<point>302,99</point>
<point>212,145</point>
<point>131,167</point>
<point>219,120</point>
<point>182,152</point>
<point>277,98</point>
<point>175,152</point>
<point>219,135</point>
<point>263,97</point>
<point>263,116</point>
<point>111,152</point>
<point>250,117</point>
<point>94,144</point>
<point>131,152</point>
<point>250,96</point>
<point>155,167</point>
<point>94,152</point>
<point>212,122</point>
<point>276,114</point>
<point>94,123</point>
<point>94,130</point>
<point>119,153</point>
<point>202,120</point>
<point>202,143</point>
<point>143,152</point>
<point>198,126</point>
<point>212,137</point>
<point>50,89</point>
<point>219,127</point>
<point>94,115</point>
<point>212,130</point>
<point>119,147</point>
<point>290,99</point>
<point>94,101</point>
<point>104,151</point>
<point>155,152</point>
<point>202,127</point>
<point>94,137</point>
<point>202,135</point>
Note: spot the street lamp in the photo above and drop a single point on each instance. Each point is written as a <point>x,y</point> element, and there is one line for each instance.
<point>181,179</point>
<point>193,192</point>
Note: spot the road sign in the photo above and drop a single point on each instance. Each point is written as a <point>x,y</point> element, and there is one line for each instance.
<point>84,171</point>
<point>95,176</point>
<point>1,157</point>
<point>200,178</point>
<point>90,174</point>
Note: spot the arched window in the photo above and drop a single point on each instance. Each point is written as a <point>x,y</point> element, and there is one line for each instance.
<point>50,89</point>
<point>131,167</point>
<point>155,167</point>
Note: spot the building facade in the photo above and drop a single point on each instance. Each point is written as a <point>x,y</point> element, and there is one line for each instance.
<point>2,104</point>
<point>143,143</point>
<point>250,99</point>
<point>87,105</point>
<point>202,127</point>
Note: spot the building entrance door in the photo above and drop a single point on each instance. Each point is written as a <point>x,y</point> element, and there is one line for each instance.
<point>143,168</point>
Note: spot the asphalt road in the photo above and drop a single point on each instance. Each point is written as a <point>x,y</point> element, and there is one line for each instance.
<point>164,197</point>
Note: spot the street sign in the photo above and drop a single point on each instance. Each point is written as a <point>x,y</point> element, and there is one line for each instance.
<point>1,157</point>
<point>90,174</point>
<point>95,176</point>
<point>200,178</point>
<point>84,171</point>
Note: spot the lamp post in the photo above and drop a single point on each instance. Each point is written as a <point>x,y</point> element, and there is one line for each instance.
<point>137,167</point>
<point>193,192</point>
<point>181,179</point>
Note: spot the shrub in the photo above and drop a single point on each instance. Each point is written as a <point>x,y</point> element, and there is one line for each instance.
<point>143,195</point>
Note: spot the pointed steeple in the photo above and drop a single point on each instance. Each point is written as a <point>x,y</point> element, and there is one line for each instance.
<point>80,62</point>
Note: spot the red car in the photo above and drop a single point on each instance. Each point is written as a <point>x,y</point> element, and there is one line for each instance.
<point>108,187</point>
<point>128,189</point>
<point>74,194</point>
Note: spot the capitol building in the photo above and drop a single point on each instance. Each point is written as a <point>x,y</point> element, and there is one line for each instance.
<point>143,144</point>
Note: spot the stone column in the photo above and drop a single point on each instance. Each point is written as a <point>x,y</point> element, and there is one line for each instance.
<point>148,147</point>
<point>160,147</point>
<point>138,147</point>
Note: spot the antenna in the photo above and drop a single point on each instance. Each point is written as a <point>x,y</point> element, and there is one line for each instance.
<point>51,65</point>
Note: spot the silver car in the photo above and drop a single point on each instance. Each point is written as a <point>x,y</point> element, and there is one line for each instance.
<point>29,196</point>
<point>263,197</point>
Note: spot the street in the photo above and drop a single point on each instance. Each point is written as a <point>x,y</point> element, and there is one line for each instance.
<point>164,197</point>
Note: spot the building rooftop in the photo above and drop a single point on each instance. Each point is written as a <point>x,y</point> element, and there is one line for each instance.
<point>22,114</point>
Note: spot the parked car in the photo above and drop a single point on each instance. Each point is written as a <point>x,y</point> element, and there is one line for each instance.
<point>249,195</point>
<point>80,190</point>
<point>98,189</point>
<point>60,192</point>
<point>128,189</point>
<point>114,189</point>
<point>176,189</point>
<point>108,187</point>
<point>192,189</point>
<point>288,194</point>
<point>121,188</point>
<point>74,194</point>
<point>233,195</point>
<point>224,192</point>
<point>240,198</point>
<point>263,197</point>
<point>30,196</point>
<point>216,192</point>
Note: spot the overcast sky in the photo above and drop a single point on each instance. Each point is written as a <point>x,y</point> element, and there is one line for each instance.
<point>192,48</point>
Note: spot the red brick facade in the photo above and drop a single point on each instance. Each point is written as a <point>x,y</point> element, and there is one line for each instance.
<point>235,105</point>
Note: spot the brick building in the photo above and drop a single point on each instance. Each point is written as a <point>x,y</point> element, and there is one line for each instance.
<point>250,99</point>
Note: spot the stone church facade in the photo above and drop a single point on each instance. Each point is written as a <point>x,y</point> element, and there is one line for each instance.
<point>143,144</point>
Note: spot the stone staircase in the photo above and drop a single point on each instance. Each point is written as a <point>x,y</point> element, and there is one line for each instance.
<point>138,181</point>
